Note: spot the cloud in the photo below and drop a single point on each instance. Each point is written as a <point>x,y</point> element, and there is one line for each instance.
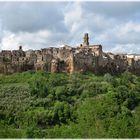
<point>31,16</point>
<point>35,25</point>
<point>123,33</point>
<point>9,42</point>
<point>35,40</point>
<point>73,17</point>
<point>125,48</point>
<point>29,40</point>
<point>118,10</point>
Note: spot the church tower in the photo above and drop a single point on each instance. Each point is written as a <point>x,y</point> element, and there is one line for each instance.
<point>20,48</point>
<point>85,40</point>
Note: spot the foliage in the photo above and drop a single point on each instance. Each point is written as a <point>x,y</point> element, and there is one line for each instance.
<point>44,105</point>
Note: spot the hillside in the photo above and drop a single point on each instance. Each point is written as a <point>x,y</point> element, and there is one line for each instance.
<point>44,105</point>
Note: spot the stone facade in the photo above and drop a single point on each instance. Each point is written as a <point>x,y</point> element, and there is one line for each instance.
<point>68,59</point>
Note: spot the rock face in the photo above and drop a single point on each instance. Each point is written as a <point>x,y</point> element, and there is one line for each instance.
<point>68,59</point>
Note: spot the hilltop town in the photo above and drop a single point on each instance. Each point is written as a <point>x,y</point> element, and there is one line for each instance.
<point>82,58</point>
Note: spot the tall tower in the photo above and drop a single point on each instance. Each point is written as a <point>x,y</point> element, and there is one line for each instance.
<point>20,48</point>
<point>86,40</point>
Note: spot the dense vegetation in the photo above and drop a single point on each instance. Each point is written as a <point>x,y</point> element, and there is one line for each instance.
<point>43,105</point>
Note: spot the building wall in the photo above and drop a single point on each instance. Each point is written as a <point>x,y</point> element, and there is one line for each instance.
<point>68,59</point>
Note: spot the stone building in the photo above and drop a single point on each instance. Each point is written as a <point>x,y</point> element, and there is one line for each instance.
<point>82,58</point>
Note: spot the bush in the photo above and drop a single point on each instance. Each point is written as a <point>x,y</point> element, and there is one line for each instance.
<point>38,87</point>
<point>44,105</point>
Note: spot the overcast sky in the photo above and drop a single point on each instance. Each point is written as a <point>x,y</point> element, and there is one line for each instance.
<point>35,25</point>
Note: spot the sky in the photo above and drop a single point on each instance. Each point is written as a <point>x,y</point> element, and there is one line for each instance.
<point>36,25</point>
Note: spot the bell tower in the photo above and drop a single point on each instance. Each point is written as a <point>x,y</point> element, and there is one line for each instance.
<point>20,48</point>
<point>85,40</point>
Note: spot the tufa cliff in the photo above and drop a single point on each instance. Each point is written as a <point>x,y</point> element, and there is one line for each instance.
<point>68,59</point>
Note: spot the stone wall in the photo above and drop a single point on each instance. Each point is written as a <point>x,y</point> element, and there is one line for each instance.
<point>68,59</point>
